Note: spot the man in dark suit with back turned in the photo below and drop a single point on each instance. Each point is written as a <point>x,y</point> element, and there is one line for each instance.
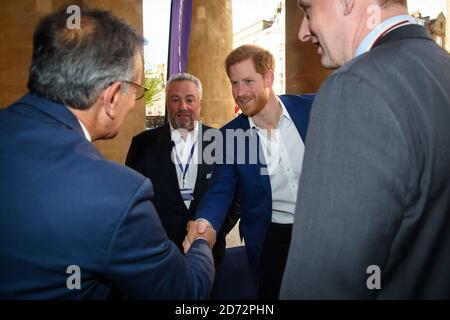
<point>171,156</point>
<point>72,224</point>
<point>373,213</point>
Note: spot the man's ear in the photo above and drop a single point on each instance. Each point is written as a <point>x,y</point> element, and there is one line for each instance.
<point>110,98</point>
<point>348,6</point>
<point>269,78</point>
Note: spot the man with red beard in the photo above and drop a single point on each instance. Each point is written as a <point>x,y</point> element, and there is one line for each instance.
<point>276,128</point>
<point>170,156</point>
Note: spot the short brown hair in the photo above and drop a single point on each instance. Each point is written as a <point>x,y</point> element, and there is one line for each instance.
<point>262,59</point>
<point>381,3</point>
<point>388,3</point>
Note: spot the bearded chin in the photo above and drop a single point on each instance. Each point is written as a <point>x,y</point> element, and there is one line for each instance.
<point>260,103</point>
<point>187,124</point>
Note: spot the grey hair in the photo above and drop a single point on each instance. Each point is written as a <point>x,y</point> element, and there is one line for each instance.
<point>185,77</point>
<point>73,66</point>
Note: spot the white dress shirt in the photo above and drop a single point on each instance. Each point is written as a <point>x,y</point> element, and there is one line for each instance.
<point>283,151</point>
<point>86,133</point>
<point>183,149</point>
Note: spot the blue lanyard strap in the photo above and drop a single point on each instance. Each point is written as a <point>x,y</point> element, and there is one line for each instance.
<point>185,169</point>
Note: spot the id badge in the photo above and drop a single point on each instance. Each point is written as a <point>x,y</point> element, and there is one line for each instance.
<point>187,194</point>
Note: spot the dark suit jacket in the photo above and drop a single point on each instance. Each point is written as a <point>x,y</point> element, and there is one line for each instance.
<point>150,154</point>
<point>375,185</point>
<point>63,204</point>
<point>254,187</point>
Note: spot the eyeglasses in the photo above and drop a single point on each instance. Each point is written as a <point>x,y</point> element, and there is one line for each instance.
<point>140,89</point>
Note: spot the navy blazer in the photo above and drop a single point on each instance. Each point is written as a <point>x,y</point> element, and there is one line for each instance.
<point>63,204</point>
<point>255,190</point>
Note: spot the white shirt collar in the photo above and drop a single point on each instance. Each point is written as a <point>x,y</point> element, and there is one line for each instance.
<point>387,25</point>
<point>86,133</point>
<point>284,114</point>
<point>176,136</point>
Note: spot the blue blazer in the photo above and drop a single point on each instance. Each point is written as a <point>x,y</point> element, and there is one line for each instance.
<point>62,204</point>
<point>254,188</point>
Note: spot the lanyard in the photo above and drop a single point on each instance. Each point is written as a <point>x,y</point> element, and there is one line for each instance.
<point>185,169</point>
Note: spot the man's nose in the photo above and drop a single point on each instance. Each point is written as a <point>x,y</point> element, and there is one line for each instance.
<point>184,105</point>
<point>240,90</point>
<point>304,34</point>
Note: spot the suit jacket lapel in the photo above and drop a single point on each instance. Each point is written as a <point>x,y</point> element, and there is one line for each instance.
<point>202,168</point>
<point>166,164</point>
<point>298,113</point>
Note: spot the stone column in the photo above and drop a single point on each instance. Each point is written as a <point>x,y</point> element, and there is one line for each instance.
<point>18,21</point>
<point>447,27</point>
<point>211,41</point>
<point>18,24</point>
<point>304,72</point>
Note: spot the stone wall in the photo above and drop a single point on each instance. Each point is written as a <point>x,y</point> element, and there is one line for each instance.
<point>19,19</point>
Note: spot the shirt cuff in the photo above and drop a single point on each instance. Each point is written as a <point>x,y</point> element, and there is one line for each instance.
<point>202,238</point>
<point>203,219</point>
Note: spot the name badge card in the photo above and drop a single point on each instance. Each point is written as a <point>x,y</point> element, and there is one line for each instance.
<point>187,194</point>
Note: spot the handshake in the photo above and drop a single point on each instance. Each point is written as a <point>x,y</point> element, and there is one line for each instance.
<point>199,229</point>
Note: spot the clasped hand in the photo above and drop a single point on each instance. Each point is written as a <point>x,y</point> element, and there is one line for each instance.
<point>199,229</point>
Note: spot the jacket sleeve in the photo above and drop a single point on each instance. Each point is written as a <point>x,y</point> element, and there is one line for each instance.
<point>145,264</point>
<point>234,214</point>
<point>217,201</point>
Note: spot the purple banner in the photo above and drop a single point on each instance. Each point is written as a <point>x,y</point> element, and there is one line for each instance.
<point>180,34</point>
